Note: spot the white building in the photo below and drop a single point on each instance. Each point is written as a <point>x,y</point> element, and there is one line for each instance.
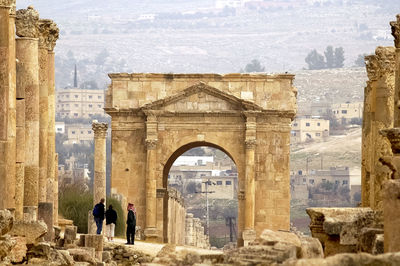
<point>193,160</point>
<point>60,127</point>
<point>309,128</point>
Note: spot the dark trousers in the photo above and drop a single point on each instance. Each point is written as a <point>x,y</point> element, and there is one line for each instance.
<point>99,224</point>
<point>130,233</point>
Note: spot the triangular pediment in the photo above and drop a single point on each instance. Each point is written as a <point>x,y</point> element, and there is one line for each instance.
<point>200,98</point>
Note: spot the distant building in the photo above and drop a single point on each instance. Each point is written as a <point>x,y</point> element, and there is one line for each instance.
<point>79,134</point>
<point>309,128</point>
<point>73,172</point>
<point>221,187</point>
<point>60,127</point>
<point>320,109</point>
<point>193,160</point>
<point>79,103</point>
<point>347,111</point>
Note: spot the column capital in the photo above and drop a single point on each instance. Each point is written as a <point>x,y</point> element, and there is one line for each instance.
<point>250,143</point>
<point>27,23</point>
<point>99,129</point>
<point>382,63</point>
<point>8,4</point>
<point>48,34</point>
<point>396,31</point>
<point>151,144</point>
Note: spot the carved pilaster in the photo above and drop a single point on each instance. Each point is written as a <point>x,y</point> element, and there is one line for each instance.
<point>27,23</point>
<point>380,64</point>
<point>250,143</point>
<point>151,144</point>
<point>48,34</point>
<point>396,31</point>
<point>99,129</point>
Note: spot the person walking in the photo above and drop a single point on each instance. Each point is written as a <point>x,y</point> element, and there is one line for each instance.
<point>111,221</point>
<point>98,214</point>
<point>131,224</point>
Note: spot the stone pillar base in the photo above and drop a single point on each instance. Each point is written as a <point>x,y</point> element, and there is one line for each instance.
<point>45,213</point>
<point>249,235</point>
<point>151,235</point>
<point>30,213</point>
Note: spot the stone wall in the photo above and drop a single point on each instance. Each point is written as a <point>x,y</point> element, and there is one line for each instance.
<point>195,235</point>
<point>176,217</point>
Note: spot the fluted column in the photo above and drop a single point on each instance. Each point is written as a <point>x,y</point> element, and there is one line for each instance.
<point>250,146</point>
<point>44,31</point>
<point>396,34</point>
<point>99,184</point>
<point>4,88</point>
<point>28,84</point>
<point>151,180</point>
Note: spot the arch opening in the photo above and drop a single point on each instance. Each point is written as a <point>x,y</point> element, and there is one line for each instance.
<point>206,177</point>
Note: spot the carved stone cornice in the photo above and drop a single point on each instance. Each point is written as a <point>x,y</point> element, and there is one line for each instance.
<point>151,144</point>
<point>48,34</point>
<point>8,4</point>
<point>27,23</point>
<point>380,64</point>
<point>396,31</point>
<point>99,129</point>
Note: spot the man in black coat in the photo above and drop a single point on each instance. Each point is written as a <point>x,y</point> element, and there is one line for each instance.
<point>98,214</point>
<point>131,224</point>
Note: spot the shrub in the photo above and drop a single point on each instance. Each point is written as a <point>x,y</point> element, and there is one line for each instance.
<point>75,202</point>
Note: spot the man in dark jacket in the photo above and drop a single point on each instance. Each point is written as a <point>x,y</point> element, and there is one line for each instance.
<point>111,221</point>
<point>131,224</point>
<point>98,214</point>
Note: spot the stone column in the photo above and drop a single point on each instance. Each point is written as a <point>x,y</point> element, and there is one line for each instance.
<point>99,184</point>
<point>12,109</point>
<point>391,206</point>
<point>378,115</point>
<point>151,180</point>
<point>20,157</point>
<point>44,28</point>
<point>396,34</point>
<point>28,81</point>
<point>55,205</point>
<point>4,88</point>
<point>250,143</point>
<point>51,178</point>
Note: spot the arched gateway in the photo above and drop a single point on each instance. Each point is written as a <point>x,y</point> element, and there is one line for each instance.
<point>157,117</point>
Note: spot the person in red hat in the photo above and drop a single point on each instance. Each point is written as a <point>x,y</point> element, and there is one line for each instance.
<point>131,224</point>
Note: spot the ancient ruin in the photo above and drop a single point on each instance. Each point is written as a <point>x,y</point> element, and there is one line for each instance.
<point>157,117</point>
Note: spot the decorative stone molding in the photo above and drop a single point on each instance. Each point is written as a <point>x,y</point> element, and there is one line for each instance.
<point>393,135</point>
<point>99,129</point>
<point>7,3</point>
<point>27,23</point>
<point>250,143</point>
<point>161,192</point>
<point>396,31</point>
<point>241,195</point>
<point>151,144</point>
<point>48,34</point>
<point>380,64</point>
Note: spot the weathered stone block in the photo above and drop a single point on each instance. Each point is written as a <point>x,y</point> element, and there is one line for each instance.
<point>18,252</point>
<point>32,231</point>
<point>378,245</point>
<point>70,233</point>
<point>6,221</point>
<point>6,244</point>
<point>311,248</point>
<point>83,255</point>
<point>367,239</point>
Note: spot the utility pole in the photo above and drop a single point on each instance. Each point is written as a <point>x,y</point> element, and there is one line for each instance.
<point>207,183</point>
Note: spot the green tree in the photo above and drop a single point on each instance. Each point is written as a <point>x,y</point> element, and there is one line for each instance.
<point>254,66</point>
<point>329,57</point>
<point>339,57</point>
<point>360,61</point>
<point>315,60</point>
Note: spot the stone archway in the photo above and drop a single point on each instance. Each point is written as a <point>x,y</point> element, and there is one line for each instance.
<point>162,198</point>
<point>249,116</point>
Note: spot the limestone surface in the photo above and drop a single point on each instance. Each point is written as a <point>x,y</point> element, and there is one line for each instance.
<point>32,230</point>
<point>27,23</point>
<point>6,221</point>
